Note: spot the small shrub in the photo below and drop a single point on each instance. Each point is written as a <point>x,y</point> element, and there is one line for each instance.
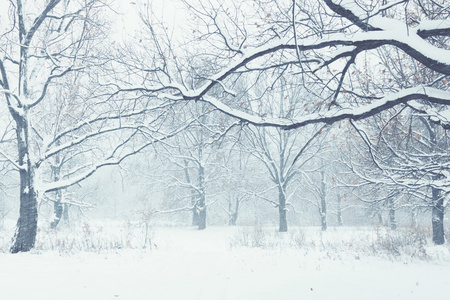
<point>297,238</point>
<point>259,237</point>
<point>252,237</point>
<point>404,241</point>
<point>92,238</point>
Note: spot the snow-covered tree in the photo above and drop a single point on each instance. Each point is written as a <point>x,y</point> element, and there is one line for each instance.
<point>333,49</point>
<point>52,75</point>
<point>321,42</point>
<point>408,160</point>
<point>196,154</point>
<point>282,152</point>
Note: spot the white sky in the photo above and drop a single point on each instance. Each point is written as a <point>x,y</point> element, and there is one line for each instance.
<point>128,22</point>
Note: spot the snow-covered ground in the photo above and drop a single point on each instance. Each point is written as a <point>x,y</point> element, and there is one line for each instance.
<point>231,263</point>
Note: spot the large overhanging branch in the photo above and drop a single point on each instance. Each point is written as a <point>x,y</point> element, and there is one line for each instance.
<point>430,94</point>
<point>354,113</point>
<point>393,33</point>
<point>433,57</point>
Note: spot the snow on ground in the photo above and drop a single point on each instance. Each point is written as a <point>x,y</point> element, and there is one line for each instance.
<point>233,263</point>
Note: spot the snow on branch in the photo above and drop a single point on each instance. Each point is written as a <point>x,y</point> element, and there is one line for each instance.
<point>109,161</point>
<point>349,15</point>
<point>12,161</point>
<point>39,20</point>
<point>430,94</point>
<point>381,32</point>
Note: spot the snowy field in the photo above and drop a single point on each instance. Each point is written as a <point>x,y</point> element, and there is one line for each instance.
<point>97,262</point>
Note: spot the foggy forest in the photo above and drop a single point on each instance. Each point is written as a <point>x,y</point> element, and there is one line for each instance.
<point>220,149</point>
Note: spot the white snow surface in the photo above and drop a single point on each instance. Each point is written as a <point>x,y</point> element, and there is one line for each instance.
<point>190,264</point>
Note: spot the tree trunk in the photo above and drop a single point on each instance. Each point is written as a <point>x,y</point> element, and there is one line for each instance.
<point>25,236</point>
<point>233,214</point>
<point>202,218</point>
<point>339,211</point>
<point>323,202</point>
<point>413,217</point>
<point>58,209</point>
<point>282,210</point>
<point>195,214</point>
<point>66,213</point>
<point>437,217</point>
<point>233,219</point>
<point>323,217</point>
<point>392,220</point>
<point>380,218</point>
<point>194,196</point>
<point>2,213</point>
<point>202,199</point>
<point>26,231</point>
<point>58,206</point>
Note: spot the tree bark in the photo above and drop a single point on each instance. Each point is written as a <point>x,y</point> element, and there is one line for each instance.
<point>58,210</point>
<point>26,231</point>
<point>66,216</point>
<point>202,199</point>
<point>323,202</point>
<point>194,196</point>
<point>25,236</point>
<point>195,214</point>
<point>202,218</point>
<point>57,205</point>
<point>413,217</point>
<point>339,211</point>
<point>380,218</point>
<point>282,210</point>
<point>233,214</point>
<point>392,219</point>
<point>437,217</point>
